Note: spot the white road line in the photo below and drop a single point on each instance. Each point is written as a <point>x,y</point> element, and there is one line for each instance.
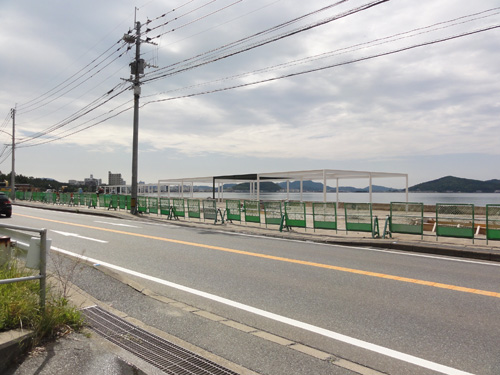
<point>117,224</point>
<point>67,234</point>
<point>282,319</point>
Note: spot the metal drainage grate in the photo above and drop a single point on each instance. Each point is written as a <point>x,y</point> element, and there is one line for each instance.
<point>166,356</point>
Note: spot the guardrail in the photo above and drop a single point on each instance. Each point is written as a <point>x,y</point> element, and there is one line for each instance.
<point>37,254</point>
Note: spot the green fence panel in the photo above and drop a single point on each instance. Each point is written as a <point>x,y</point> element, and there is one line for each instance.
<point>65,198</point>
<point>178,207</point>
<point>20,195</point>
<point>193,206</point>
<point>48,197</point>
<point>252,211</point>
<point>153,205</point>
<point>113,202</point>
<point>295,214</point>
<point>122,201</point>
<point>273,213</point>
<point>358,217</point>
<point>101,200</point>
<point>233,210</point>
<point>164,206</point>
<point>93,200</point>
<point>324,215</point>
<point>493,222</point>
<point>28,195</point>
<point>455,220</point>
<point>142,204</point>
<point>210,210</point>
<point>406,217</point>
<point>107,201</point>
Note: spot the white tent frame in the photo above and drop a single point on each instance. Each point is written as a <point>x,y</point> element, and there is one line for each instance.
<point>324,175</point>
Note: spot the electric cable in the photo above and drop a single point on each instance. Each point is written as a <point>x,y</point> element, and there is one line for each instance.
<point>328,66</point>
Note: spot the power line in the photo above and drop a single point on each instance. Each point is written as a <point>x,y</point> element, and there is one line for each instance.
<point>86,110</point>
<point>198,61</point>
<point>44,99</point>
<point>328,66</point>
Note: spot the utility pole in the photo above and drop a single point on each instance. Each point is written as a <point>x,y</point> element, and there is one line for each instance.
<point>136,69</point>
<point>13,173</point>
<point>135,138</point>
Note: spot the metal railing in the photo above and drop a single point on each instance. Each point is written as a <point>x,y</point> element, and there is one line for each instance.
<point>16,232</point>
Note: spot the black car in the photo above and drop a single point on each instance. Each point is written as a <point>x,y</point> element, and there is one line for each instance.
<point>5,205</point>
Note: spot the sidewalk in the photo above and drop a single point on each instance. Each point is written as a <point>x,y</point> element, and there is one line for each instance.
<point>81,353</point>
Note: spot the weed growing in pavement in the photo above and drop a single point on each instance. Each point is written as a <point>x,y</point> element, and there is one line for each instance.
<point>65,270</point>
<point>20,306</point>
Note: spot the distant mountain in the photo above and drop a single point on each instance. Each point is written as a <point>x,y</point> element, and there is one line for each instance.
<point>456,184</point>
<point>306,186</point>
<point>264,186</point>
<point>312,186</point>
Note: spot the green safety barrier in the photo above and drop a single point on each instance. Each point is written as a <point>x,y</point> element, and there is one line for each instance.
<point>113,202</point>
<point>92,202</point>
<point>273,213</point>
<point>295,214</point>
<point>153,205</point>
<point>324,215</point>
<point>28,195</point>
<point>210,210</point>
<point>164,206</point>
<point>492,222</point>
<point>64,198</point>
<point>101,200</point>
<point>252,211</point>
<point>142,204</point>
<point>122,201</point>
<point>20,195</point>
<point>178,207</point>
<point>455,220</point>
<point>406,217</point>
<point>107,201</point>
<point>233,210</point>
<point>193,206</point>
<point>359,218</point>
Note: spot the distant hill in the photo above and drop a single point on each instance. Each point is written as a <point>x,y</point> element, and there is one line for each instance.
<point>456,184</point>
<point>306,186</point>
<point>264,186</point>
<point>312,186</point>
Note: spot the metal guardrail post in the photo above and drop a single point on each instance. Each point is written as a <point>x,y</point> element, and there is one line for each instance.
<point>42,276</point>
<point>43,268</point>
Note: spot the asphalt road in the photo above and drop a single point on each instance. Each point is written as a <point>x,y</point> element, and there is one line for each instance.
<point>397,313</point>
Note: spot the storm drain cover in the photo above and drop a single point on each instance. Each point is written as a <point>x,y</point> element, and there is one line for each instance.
<point>168,357</point>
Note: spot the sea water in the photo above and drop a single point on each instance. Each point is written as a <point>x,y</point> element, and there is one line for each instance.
<point>478,199</point>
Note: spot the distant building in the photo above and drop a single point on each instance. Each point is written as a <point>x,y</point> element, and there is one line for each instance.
<point>92,181</point>
<point>115,179</point>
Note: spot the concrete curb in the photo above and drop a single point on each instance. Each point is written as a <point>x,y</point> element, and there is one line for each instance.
<point>13,343</point>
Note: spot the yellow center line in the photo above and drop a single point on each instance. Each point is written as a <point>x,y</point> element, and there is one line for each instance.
<point>281,259</point>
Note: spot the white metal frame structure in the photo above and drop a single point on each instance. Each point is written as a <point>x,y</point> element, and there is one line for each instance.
<point>323,175</point>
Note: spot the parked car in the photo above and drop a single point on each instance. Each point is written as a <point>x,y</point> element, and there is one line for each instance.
<point>5,205</point>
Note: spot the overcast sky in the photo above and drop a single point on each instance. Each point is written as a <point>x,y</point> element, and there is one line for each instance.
<point>430,110</point>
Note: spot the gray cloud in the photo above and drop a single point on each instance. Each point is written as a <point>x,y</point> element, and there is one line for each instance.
<point>389,112</point>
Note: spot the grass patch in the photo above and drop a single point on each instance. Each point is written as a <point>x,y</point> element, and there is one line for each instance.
<point>20,306</point>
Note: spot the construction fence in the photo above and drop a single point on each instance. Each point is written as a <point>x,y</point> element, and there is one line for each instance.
<point>448,220</point>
